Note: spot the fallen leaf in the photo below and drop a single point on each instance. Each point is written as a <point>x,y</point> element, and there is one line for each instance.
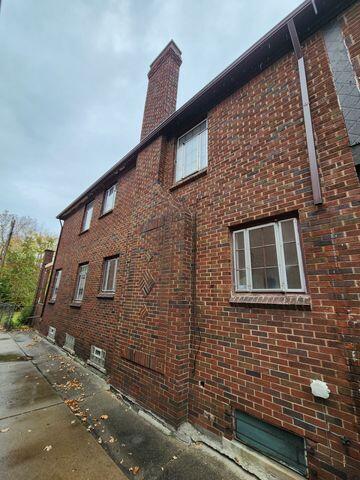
<point>104,417</point>
<point>29,431</point>
<point>134,470</point>
<point>100,440</point>
<point>4,430</point>
<point>48,448</point>
<point>111,440</point>
<point>72,422</point>
<point>174,457</point>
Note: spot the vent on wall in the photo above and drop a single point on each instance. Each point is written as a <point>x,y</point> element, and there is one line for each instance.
<point>51,334</point>
<point>69,344</point>
<point>97,358</point>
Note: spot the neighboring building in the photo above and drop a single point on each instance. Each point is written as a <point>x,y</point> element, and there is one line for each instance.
<point>213,272</point>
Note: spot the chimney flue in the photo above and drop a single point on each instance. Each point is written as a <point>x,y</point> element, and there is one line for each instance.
<point>162,88</point>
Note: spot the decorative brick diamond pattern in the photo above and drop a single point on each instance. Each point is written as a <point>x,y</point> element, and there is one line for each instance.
<point>147,283</point>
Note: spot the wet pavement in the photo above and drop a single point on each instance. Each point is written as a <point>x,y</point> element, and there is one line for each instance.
<point>53,400</point>
<point>39,438</point>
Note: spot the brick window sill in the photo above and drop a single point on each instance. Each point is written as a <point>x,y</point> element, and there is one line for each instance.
<point>109,296</point>
<point>188,179</point>
<point>75,305</point>
<point>288,299</point>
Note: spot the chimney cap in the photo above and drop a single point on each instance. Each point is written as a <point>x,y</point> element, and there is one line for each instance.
<point>171,46</point>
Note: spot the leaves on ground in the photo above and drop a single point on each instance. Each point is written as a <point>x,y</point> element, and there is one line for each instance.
<point>48,448</point>
<point>4,430</point>
<point>134,470</point>
<point>104,417</point>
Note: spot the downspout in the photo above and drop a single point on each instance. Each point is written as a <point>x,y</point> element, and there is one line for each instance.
<point>314,170</point>
<point>52,270</point>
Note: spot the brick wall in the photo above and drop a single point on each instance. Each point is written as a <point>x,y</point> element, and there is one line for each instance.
<point>171,324</point>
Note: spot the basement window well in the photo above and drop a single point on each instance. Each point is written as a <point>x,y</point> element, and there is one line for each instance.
<point>69,344</point>
<point>97,358</point>
<point>51,334</point>
<point>274,442</point>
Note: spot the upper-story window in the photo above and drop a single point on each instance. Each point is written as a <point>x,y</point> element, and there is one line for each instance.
<point>109,275</point>
<point>191,153</point>
<point>87,216</point>
<point>56,285</point>
<point>268,258</point>
<point>80,282</point>
<point>109,199</point>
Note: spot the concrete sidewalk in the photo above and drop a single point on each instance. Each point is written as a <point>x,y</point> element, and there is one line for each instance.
<point>38,436</point>
<point>48,399</point>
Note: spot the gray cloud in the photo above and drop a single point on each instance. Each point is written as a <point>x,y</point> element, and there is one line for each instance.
<point>73,83</point>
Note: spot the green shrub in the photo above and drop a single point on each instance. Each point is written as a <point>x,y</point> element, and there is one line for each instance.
<point>24,314</point>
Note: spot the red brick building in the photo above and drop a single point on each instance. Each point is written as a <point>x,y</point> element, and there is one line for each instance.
<point>213,272</point>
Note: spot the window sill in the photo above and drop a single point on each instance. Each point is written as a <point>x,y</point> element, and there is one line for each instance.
<point>75,305</point>
<point>106,295</point>
<point>286,299</point>
<point>106,213</point>
<point>69,350</point>
<point>51,302</point>
<point>95,365</point>
<point>189,179</point>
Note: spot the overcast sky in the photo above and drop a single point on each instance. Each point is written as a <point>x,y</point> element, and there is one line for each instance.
<point>73,78</point>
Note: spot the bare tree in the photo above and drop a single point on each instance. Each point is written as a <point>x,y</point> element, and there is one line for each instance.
<point>23,226</point>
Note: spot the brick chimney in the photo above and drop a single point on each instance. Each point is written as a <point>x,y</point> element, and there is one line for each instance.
<point>162,88</point>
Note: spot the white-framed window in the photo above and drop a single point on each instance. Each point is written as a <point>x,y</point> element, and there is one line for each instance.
<point>268,258</point>
<point>97,358</point>
<point>51,334</point>
<point>80,282</point>
<point>89,208</point>
<point>109,199</point>
<point>191,152</point>
<point>56,285</point>
<point>109,274</point>
<point>69,344</point>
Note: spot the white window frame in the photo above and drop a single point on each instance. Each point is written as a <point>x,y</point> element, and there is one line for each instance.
<point>177,159</point>
<point>56,285</point>
<point>106,271</point>
<point>51,334</point>
<point>279,244</point>
<point>88,206</point>
<point>79,297</point>
<point>97,358</point>
<point>108,207</point>
<point>69,344</point>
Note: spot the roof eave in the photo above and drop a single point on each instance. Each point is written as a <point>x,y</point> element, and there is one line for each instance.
<point>311,22</point>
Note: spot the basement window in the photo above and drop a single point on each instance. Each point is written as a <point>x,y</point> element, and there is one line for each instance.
<point>56,285</point>
<point>109,200</point>
<point>51,334</point>
<point>268,258</point>
<point>274,442</point>
<point>191,152</point>
<point>69,344</point>
<point>109,275</point>
<point>88,213</point>
<point>97,358</point>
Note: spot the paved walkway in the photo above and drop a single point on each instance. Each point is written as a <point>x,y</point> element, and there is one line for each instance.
<point>58,421</point>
